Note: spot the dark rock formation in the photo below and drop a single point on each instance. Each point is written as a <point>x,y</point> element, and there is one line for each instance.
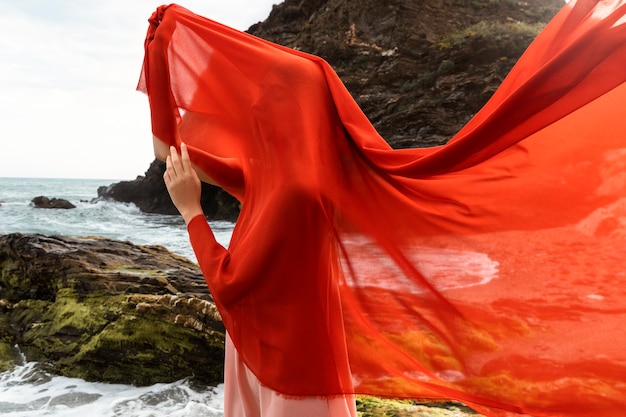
<point>51,203</point>
<point>419,69</point>
<point>106,310</point>
<point>150,195</point>
<point>147,192</point>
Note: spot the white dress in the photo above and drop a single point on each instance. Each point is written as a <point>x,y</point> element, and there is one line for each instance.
<point>244,396</point>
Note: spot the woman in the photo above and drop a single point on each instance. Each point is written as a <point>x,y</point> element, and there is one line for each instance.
<point>244,395</point>
<point>487,270</point>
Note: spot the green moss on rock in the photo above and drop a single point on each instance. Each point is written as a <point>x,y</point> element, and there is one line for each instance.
<point>105,337</point>
<point>380,407</point>
<point>8,354</point>
<point>12,283</point>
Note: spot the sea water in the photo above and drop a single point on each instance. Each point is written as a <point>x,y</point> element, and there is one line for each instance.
<point>91,217</point>
<point>27,390</point>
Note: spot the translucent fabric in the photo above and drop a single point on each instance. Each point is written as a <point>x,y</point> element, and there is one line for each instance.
<point>489,270</point>
<point>244,396</point>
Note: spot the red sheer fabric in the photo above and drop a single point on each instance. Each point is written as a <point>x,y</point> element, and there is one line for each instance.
<point>489,270</point>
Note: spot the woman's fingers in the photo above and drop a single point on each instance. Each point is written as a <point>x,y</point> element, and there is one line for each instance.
<point>179,163</point>
<point>184,156</point>
<point>171,172</point>
<point>176,166</point>
<point>182,183</point>
<point>166,174</point>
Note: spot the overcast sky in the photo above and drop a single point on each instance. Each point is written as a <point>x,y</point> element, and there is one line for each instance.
<point>68,73</point>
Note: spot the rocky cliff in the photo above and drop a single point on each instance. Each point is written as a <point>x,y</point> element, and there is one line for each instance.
<point>419,69</point>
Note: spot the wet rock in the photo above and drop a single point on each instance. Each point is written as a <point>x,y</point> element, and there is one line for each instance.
<point>150,195</point>
<point>52,203</point>
<point>105,310</point>
<point>9,355</point>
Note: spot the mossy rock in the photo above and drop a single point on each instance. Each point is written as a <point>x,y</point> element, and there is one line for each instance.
<point>379,407</point>
<point>9,355</point>
<point>105,337</point>
<point>106,310</point>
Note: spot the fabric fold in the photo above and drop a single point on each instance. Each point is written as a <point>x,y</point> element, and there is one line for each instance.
<point>487,270</point>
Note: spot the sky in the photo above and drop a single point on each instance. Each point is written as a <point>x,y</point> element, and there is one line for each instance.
<point>68,76</point>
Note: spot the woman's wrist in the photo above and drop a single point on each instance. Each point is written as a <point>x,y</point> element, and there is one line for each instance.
<point>189,214</point>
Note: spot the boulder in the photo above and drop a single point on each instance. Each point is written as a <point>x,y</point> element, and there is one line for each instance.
<point>150,195</point>
<point>51,203</point>
<point>106,310</point>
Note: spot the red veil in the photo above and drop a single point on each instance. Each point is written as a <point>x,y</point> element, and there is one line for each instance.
<point>489,270</point>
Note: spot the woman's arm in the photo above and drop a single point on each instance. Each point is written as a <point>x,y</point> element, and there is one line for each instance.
<point>184,187</point>
<point>162,151</point>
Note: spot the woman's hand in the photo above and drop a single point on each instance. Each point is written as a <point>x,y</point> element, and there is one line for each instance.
<point>183,184</point>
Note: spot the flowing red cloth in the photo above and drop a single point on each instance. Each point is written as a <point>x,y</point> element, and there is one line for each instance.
<point>489,270</point>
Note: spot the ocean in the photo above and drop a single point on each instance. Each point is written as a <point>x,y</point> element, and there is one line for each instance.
<point>27,391</point>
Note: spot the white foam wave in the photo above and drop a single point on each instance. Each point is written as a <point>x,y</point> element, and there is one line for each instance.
<point>443,268</point>
<point>27,391</point>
